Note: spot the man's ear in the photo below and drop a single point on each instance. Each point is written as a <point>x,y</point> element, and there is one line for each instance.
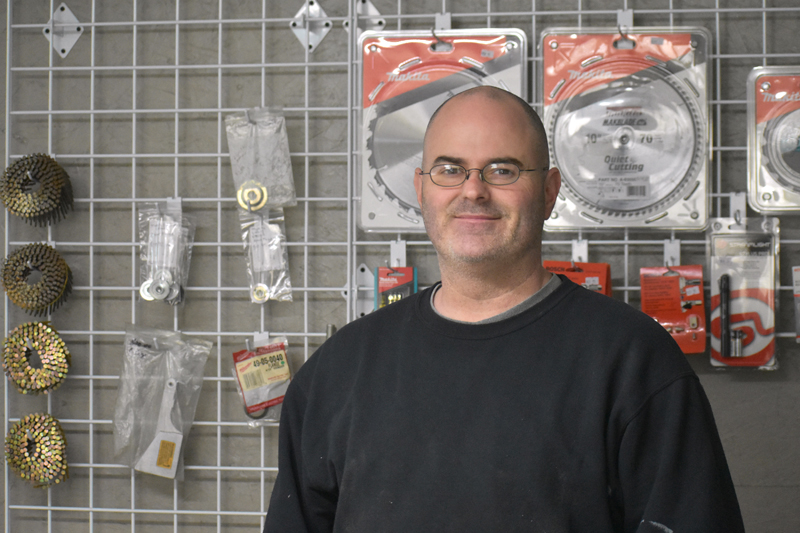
<point>552,184</point>
<point>418,184</point>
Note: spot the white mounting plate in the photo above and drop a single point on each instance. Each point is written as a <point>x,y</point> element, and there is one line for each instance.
<point>365,290</point>
<point>310,25</point>
<point>63,30</point>
<point>369,18</point>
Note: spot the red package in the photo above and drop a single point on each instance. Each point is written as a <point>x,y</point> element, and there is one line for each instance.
<point>674,297</point>
<point>593,276</point>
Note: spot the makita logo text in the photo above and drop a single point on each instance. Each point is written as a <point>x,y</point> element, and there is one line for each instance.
<point>578,75</point>
<point>784,97</point>
<point>417,76</point>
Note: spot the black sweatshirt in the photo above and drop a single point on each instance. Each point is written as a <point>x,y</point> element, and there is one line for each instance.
<point>578,415</point>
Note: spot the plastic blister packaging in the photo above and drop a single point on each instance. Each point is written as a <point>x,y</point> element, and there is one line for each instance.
<point>166,237</point>
<point>260,160</point>
<point>153,361</point>
<point>743,258</point>
<point>406,76</point>
<point>773,135</point>
<point>266,255</point>
<point>627,120</point>
<point>262,376</point>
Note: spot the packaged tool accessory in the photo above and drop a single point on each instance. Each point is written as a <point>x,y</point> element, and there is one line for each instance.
<point>36,449</point>
<point>40,342</point>
<point>37,189</point>
<point>627,120</point>
<point>743,259</point>
<point>674,297</point>
<point>162,374</point>
<point>54,284</point>
<point>260,159</point>
<point>262,377</point>
<point>393,284</point>
<point>593,276</point>
<point>266,255</point>
<point>796,293</point>
<point>166,237</point>
<point>773,139</point>
<point>406,76</point>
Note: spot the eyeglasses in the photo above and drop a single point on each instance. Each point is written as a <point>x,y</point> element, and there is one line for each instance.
<point>493,174</point>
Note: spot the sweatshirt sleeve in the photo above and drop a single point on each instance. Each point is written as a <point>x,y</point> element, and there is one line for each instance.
<point>672,470</point>
<point>294,507</point>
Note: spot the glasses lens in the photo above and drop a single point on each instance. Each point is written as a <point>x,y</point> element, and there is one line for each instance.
<point>501,173</point>
<point>448,175</point>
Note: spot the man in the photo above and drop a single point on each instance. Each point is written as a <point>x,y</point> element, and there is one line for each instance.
<point>504,398</point>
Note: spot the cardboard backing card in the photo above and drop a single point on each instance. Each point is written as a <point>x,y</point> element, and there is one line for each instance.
<point>627,122</point>
<point>674,297</point>
<point>393,284</point>
<point>743,264</point>
<point>773,136</point>
<point>593,276</point>
<point>405,77</point>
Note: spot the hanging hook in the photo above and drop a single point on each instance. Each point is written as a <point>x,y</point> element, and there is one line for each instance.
<point>440,45</point>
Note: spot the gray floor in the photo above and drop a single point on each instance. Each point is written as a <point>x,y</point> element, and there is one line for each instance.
<point>230,466</point>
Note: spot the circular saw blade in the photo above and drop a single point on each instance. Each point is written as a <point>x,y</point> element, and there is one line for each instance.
<point>630,147</point>
<point>782,149</point>
<point>396,133</point>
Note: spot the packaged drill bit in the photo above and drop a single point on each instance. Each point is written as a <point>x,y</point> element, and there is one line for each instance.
<point>162,374</point>
<point>266,255</point>
<point>262,377</point>
<point>166,237</point>
<point>743,258</point>
<point>627,120</point>
<point>773,135</point>
<point>260,159</point>
<point>406,76</point>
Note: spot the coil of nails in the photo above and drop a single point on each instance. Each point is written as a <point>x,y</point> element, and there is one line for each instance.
<point>18,350</point>
<point>36,449</point>
<point>48,293</point>
<point>37,189</point>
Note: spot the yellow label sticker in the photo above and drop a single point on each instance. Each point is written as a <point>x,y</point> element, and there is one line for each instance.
<point>166,453</point>
<point>263,370</point>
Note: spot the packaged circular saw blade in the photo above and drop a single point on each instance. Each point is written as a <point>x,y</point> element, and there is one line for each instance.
<point>773,123</point>
<point>627,121</point>
<point>406,76</point>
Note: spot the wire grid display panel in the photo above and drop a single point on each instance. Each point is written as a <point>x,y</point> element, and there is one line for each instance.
<point>135,113</point>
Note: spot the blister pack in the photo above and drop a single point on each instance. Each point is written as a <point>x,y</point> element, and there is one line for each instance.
<point>406,76</point>
<point>743,259</point>
<point>627,120</point>
<point>773,136</point>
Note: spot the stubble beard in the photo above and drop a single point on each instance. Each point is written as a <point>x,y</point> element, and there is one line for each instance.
<point>498,248</point>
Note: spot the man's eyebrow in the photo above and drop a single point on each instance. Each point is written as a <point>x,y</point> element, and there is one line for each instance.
<point>445,159</point>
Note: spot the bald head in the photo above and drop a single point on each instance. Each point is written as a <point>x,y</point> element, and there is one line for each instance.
<point>538,134</point>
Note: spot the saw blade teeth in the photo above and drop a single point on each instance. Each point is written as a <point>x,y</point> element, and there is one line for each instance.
<point>37,189</point>
<point>48,293</point>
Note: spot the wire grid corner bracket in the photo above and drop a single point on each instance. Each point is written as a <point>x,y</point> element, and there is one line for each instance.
<point>310,25</point>
<point>63,30</point>
<point>368,17</point>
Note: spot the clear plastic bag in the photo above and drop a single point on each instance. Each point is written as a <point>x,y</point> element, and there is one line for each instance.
<point>166,237</point>
<point>153,359</point>
<point>266,255</point>
<point>260,161</point>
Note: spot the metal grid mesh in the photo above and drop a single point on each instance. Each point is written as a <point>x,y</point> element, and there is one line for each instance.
<point>136,112</point>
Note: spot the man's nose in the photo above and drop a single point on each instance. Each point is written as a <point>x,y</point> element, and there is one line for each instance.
<point>475,188</point>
